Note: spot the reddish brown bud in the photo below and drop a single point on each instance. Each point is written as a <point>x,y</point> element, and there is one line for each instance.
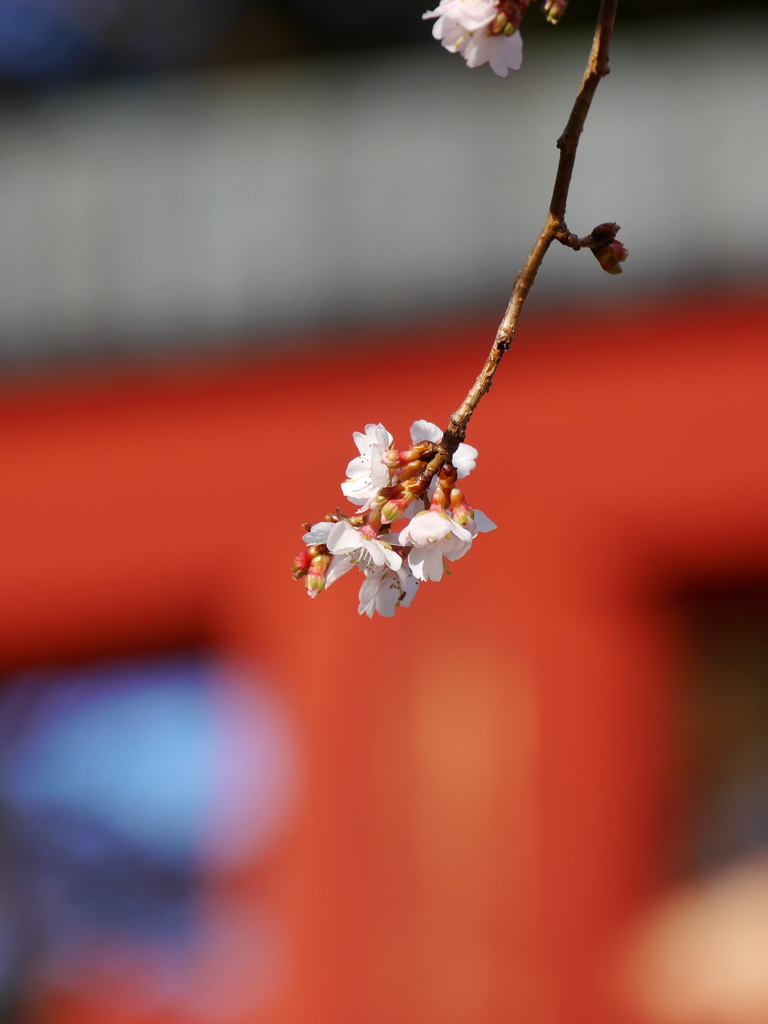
<point>610,256</point>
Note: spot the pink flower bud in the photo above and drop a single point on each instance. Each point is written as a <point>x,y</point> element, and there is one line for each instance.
<point>315,579</point>
<point>395,507</point>
<point>446,478</point>
<point>301,564</point>
<point>461,510</point>
<point>609,256</point>
<point>396,458</point>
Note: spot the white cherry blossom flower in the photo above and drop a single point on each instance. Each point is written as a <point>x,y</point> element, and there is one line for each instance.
<point>433,535</point>
<point>465,457</point>
<point>367,474</point>
<point>367,552</point>
<point>427,563</point>
<point>463,26</point>
<point>430,527</point>
<point>385,590</point>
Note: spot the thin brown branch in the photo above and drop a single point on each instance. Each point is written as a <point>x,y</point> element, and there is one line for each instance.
<point>554,228</point>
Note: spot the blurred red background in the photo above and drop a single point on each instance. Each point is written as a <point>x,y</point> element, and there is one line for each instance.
<point>493,785</point>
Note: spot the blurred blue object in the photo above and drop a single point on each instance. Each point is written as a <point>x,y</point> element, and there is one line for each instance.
<point>45,41</point>
<point>119,782</point>
<point>128,746</point>
<point>112,777</point>
<point>39,40</point>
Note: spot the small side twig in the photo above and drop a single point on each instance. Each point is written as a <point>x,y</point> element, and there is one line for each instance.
<point>602,235</point>
<point>554,229</point>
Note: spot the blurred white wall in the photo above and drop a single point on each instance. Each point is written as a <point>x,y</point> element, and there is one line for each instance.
<point>190,211</point>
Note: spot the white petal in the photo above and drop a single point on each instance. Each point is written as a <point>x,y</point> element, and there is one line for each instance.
<point>358,491</point>
<point>441,26</point>
<point>381,553</point>
<point>507,54</point>
<point>318,534</point>
<point>376,551</point>
<point>392,559</point>
<point>360,466</point>
<point>465,460</point>
<point>423,430</point>
<point>498,65</point>
<point>361,440</point>
<point>343,538</point>
<point>378,434</point>
<point>410,586</point>
<point>388,595</point>
<point>339,565</point>
<point>383,591</point>
<point>426,563</point>
<point>450,34</point>
<point>455,549</point>
<point>367,604</point>
<point>471,14</point>
<point>379,472</point>
<point>482,522</point>
<point>476,49</point>
<point>513,51</point>
<point>425,528</point>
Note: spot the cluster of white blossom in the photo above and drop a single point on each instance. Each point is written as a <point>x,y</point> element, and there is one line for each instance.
<point>394,487</point>
<point>487,31</point>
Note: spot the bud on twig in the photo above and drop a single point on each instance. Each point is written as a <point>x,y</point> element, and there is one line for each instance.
<point>609,251</point>
<point>610,256</point>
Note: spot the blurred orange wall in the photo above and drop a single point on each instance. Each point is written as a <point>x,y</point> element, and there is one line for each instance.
<point>489,778</point>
